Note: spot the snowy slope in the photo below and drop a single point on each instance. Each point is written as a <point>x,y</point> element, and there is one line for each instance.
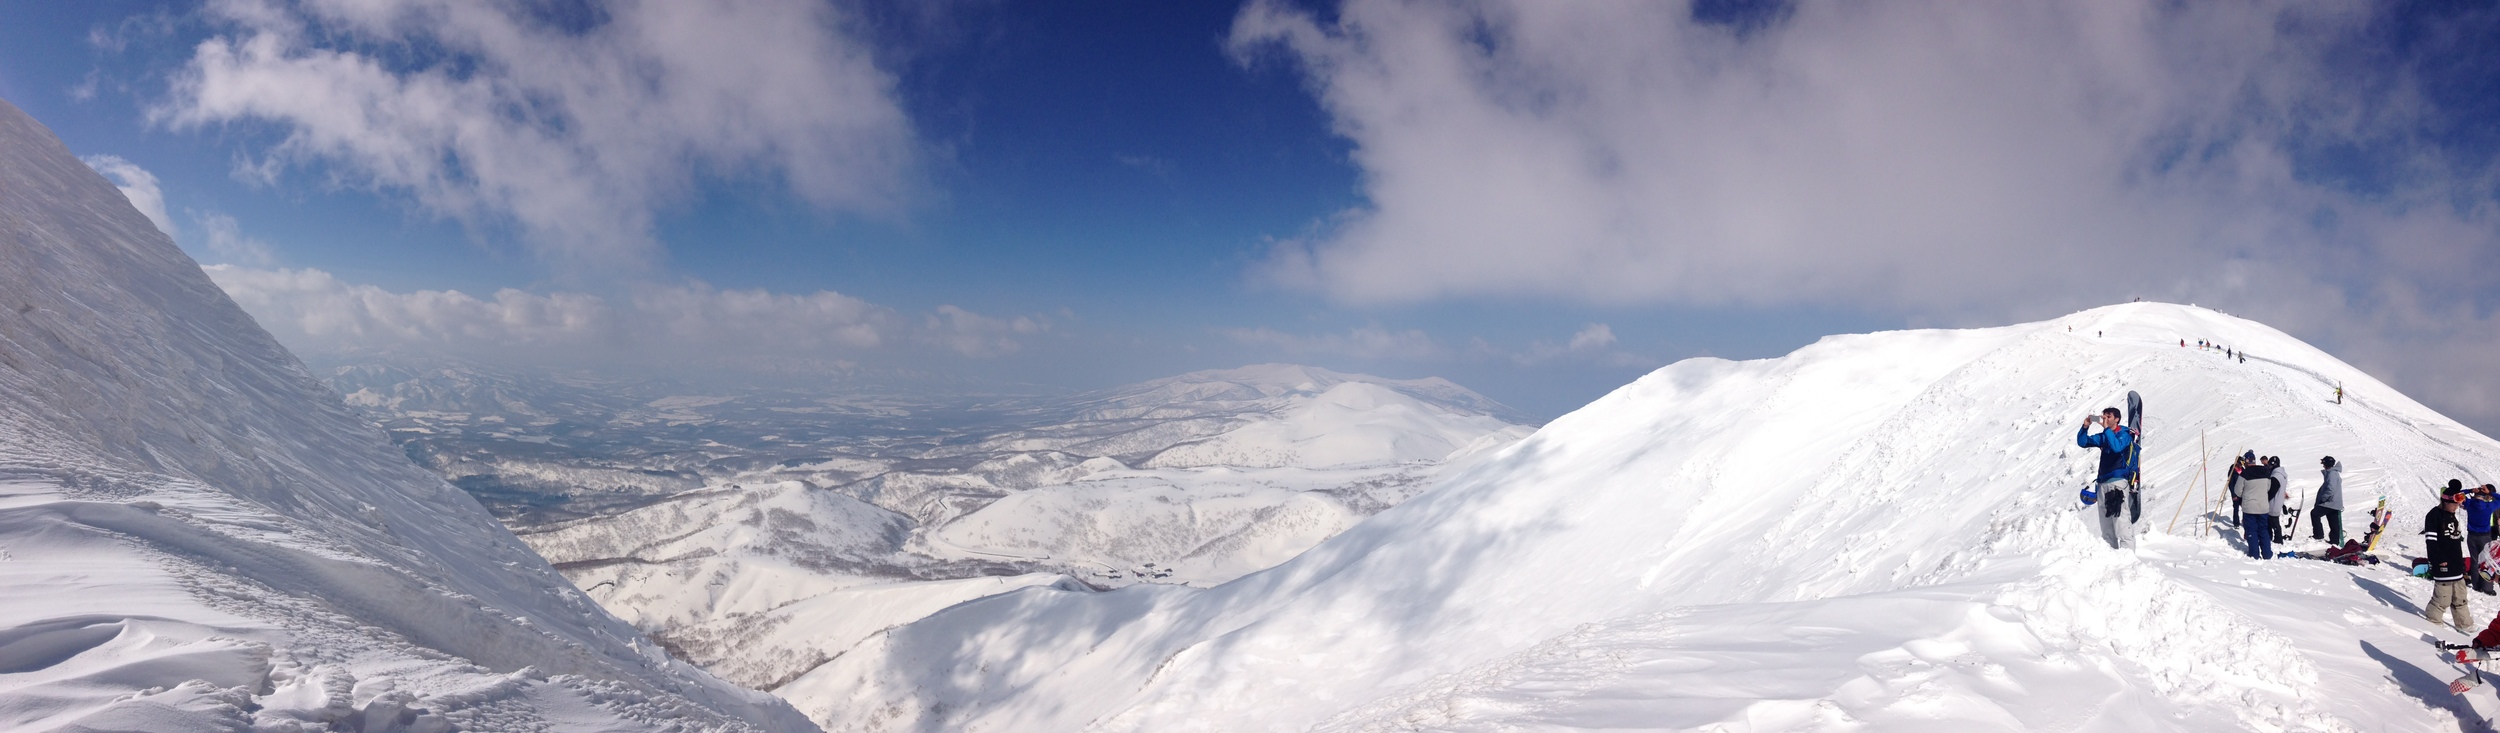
<point>195,534</point>
<point>774,571</point>
<point>1874,532</point>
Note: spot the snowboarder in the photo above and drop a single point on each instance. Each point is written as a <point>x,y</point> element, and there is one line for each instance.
<point>2110,483</point>
<point>2479,506</point>
<point>2446,544</point>
<point>2326,515</point>
<point>2258,495</point>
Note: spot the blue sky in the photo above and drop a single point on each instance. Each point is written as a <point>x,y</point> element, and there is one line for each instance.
<point>1540,201</point>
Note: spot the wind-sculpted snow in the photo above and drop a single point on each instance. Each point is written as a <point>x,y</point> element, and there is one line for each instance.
<point>196,534</point>
<point>1875,532</point>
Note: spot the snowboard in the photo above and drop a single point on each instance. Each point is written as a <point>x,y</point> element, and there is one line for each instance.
<point>2380,517</point>
<point>2135,451</point>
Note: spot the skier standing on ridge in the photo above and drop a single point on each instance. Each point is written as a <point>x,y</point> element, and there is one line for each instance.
<point>2328,510</point>
<point>2110,484</point>
<point>2258,494</point>
<point>2446,544</point>
<point>2478,532</point>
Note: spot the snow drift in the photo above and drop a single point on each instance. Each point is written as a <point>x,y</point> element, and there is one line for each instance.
<point>1875,532</point>
<point>195,534</point>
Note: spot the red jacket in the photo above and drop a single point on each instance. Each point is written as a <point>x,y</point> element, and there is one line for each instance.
<point>2490,636</point>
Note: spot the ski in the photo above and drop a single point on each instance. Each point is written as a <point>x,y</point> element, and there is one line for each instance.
<point>2463,655</point>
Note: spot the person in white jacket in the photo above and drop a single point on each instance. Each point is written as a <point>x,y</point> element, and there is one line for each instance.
<point>2282,488</point>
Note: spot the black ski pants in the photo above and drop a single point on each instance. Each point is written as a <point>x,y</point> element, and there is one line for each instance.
<point>2474,542</point>
<point>2330,518</point>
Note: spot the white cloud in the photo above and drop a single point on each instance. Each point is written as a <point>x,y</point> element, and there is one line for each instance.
<point>312,307</point>
<point>227,240</point>
<point>973,334</point>
<point>656,325</point>
<point>1594,337</point>
<point>490,113</point>
<point>136,184</point>
<point>1594,343</point>
<point>1946,160</point>
<point>1368,342</point>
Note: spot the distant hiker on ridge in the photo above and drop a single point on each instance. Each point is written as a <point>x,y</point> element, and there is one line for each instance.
<point>2446,545</point>
<point>2259,493</point>
<point>2328,510</point>
<point>2111,483</point>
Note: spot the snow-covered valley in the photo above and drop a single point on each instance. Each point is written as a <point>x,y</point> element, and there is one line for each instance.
<point>768,557</point>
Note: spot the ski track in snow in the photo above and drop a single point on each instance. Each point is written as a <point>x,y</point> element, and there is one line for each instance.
<point>1878,532</point>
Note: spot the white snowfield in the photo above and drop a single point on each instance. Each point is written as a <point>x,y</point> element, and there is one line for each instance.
<point>1876,532</point>
<point>763,580</point>
<point>196,535</point>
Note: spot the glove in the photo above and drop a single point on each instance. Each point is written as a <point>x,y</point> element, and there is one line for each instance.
<point>2464,684</point>
<point>2090,496</point>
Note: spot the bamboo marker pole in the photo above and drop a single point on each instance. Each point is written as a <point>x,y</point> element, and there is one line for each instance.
<point>2183,499</point>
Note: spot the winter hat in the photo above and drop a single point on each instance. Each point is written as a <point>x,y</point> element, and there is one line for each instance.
<point>2455,485</point>
<point>2249,456</point>
<point>2329,460</point>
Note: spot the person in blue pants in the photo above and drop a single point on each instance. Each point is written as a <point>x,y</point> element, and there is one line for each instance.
<point>2257,493</point>
<point>2479,506</point>
<point>2117,470</point>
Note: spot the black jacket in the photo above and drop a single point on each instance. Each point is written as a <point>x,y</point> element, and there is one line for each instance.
<point>2445,541</point>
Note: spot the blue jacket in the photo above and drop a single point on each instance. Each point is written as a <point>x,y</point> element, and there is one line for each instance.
<point>2478,513</point>
<point>2116,460</point>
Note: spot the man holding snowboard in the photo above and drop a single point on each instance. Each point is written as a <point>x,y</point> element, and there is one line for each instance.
<point>2116,441</point>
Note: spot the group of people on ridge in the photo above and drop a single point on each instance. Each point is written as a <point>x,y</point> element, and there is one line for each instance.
<point>2460,557</point>
<point>2258,486</point>
<point>2462,554</point>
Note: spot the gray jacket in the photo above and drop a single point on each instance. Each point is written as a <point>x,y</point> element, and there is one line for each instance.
<point>2331,489</point>
<point>2259,494</point>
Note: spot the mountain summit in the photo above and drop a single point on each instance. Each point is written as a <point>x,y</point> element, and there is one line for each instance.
<point>1875,531</point>
<point>195,534</point>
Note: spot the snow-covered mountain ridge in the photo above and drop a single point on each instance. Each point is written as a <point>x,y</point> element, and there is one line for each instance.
<point>1875,532</point>
<point>196,535</point>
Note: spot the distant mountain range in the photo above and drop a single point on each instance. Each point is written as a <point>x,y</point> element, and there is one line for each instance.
<point>762,531</point>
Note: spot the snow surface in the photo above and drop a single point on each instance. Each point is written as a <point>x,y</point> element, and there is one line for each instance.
<point>763,578</point>
<point>195,534</point>
<point>1876,532</point>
